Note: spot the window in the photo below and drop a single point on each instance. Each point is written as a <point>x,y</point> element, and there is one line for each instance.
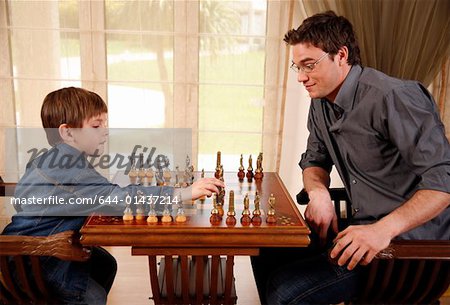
<point>216,67</point>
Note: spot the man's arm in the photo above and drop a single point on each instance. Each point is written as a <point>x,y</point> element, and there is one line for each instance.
<point>360,244</point>
<point>319,213</point>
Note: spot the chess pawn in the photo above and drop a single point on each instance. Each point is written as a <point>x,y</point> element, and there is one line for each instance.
<point>241,172</point>
<point>177,180</point>
<point>133,174</point>
<point>215,218</point>
<point>128,213</point>
<point>271,215</point>
<point>231,214</point>
<point>180,215</point>
<point>256,219</point>
<point>167,176</point>
<point>152,218</point>
<point>140,212</point>
<point>246,220</point>
<point>166,218</point>
<point>149,177</point>
<point>250,169</point>
<point>141,176</point>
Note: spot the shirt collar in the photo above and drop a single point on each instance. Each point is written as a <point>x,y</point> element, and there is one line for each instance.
<point>66,149</point>
<point>345,96</point>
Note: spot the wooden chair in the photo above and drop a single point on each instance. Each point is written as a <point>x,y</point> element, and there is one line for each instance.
<point>407,272</point>
<point>20,255</point>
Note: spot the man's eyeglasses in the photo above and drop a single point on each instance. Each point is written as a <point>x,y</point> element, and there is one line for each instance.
<point>309,67</point>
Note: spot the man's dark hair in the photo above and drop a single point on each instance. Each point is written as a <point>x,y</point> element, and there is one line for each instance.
<point>328,32</point>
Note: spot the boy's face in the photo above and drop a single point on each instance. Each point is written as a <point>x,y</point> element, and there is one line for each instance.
<point>91,138</point>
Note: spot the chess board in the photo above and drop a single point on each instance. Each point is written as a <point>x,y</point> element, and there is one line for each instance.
<point>289,230</point>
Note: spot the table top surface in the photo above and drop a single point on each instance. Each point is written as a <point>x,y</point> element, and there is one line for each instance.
<point>290,229</point>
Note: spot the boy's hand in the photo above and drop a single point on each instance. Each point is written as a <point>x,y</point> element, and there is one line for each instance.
<point>202,187</point>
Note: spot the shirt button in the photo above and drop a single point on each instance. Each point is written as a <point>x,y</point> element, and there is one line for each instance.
<point>354,181</point>
<point>355,210</point>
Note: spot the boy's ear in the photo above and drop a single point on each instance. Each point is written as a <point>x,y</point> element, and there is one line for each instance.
<point>65,133</point>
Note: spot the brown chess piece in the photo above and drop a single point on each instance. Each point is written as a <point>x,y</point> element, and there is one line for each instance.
<point>231,214</point>
<point>215,218</point>
<point>218,162</point>
<point>241,172</point>
<point>250,169</point>
<point>256,219</point>
<point>246,220</point>
<point>202,199</point>
<point>259,170</point>
<point>271,215</point>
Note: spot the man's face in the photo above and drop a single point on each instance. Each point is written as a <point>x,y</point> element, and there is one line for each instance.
<point>327,75</point>
<point>91,138</point>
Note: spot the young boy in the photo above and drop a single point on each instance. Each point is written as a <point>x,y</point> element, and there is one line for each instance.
<point>75,123</point>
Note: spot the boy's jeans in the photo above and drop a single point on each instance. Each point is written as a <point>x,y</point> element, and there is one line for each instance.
<point>87,283</point>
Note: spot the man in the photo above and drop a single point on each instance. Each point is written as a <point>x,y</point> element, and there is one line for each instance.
<point>388,144</point>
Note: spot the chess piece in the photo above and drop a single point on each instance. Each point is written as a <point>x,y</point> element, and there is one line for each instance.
<point>162,162</point>
<point>259,170</point>
<point>152,218</point>
<point>202,175</point>
<point>128,213</point>
<point>149,177</point>
<point>231,214</point>
<point>221,196</point>
<point>180,215</point>
<point>241,172</point>
<point>167,176</point>
<point>215,218</point>
<point>166,218</point>
<point>189,171</point>
<point>246,220</point>
<point>177,179</point>
<point>250,169</point>
<point>219,173</point>
<point>271,215</point>
<point>256,219</point>
<point>218,162</point>
<point>132,174</point>
<point>140,213</point>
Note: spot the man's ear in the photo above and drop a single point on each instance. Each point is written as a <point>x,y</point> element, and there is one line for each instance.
<point>342,55</point>
<point>65,133</point>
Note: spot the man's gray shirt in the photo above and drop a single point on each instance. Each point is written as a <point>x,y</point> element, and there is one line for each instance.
<point>386,139</point>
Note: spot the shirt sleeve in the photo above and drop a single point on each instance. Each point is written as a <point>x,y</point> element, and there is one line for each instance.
<point>415,128</point>
<point>316,154</point>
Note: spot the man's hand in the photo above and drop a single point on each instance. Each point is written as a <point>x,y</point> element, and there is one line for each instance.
<point>359,244</point>
<point>320,214</point>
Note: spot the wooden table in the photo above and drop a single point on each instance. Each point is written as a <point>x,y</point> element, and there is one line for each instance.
<point>199,245</point>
